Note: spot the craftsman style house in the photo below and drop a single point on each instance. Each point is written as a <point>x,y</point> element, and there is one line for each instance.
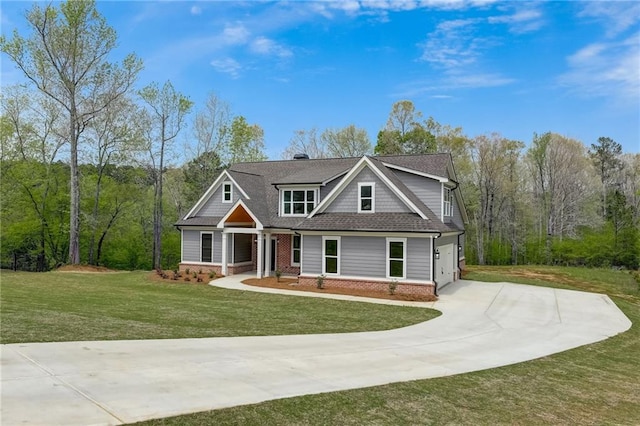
<point>356,222</point>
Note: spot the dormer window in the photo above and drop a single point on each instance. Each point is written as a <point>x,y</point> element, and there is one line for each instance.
<point>227,192</point>
<point>447,205</point>
<point>298,201</point>
<point>366,197</point>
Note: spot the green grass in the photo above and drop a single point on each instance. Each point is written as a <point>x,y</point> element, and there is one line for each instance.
<point>592,385</point>
<point>62,306</point>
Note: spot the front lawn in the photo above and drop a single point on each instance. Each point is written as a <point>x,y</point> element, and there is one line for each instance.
<point>68,306</point>
<point>593,384</point>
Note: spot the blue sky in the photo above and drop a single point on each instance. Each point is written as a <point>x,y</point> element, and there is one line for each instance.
<point>509,67</point>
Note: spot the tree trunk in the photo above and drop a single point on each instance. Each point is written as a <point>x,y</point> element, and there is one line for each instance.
<point>74,210</point>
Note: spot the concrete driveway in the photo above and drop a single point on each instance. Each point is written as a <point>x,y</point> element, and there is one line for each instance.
<point>112,382</point>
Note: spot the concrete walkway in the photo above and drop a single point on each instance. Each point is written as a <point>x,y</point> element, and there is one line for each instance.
<point>113,382</point>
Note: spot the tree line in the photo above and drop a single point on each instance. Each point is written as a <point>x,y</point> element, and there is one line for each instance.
<point>93,170</point>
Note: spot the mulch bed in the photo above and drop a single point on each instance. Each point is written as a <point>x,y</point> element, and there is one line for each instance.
<point>292,284</point>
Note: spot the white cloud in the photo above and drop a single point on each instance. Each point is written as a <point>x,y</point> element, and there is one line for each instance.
<point>235,34</point>
<point>196,10</point>
<point>265,46</point>
<point>418,88</point>
<point>522,21</point>
<point>454,45</point>
<point>228,66</point>
<point>606,69</point>
<point>616,16</point>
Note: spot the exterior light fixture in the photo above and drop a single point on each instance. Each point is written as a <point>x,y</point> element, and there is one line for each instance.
<point>437,253</point>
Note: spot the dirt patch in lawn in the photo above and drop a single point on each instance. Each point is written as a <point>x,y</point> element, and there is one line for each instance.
<point>292,284</point>
<point>84,268</point>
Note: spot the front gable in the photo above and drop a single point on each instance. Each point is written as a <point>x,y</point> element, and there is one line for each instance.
<point>389,192</point>
<point>384,199</point>
<point>217,200</point>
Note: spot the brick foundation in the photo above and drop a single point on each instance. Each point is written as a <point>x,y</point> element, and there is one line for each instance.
<point>402,288</point>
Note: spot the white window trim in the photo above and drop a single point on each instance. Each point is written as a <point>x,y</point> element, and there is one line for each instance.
<point>404,257</point>
<point>293,249</point>
<point>324,257</point>
<point>224,184</point>
<point>373,197</point>
<point>200,246</point>
<point>447,206</point>
<point>316,197</point>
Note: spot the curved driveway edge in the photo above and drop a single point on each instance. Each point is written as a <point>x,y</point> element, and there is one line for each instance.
<point>484,325</point>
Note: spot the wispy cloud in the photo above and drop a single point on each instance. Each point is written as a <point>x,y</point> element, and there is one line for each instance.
<point>605,69</point>
<point>227,66</point>
<point>264,46</point>
<point>196,10</point>
<point>521,21</point>
<point>616,16</point>
<point>418,88</point>
<point>235,34</point>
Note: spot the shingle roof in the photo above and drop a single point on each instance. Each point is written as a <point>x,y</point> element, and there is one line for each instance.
<point>260,180</point>
<point>392,222</point>
<point>199,221</point>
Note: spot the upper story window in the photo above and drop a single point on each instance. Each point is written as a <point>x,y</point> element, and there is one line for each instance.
<point>227,192</point>
<point>447,205</point>
<point>298,201</point>
<point>366,197</point>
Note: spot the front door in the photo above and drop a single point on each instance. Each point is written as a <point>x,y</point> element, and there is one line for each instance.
<point>445,265</point>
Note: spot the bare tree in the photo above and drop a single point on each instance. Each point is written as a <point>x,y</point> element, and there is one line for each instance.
<point>65,57</point>
<point>305,142</point>
<point>165,115</point>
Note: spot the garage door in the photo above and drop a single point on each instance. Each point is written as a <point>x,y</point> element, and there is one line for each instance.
<point>444,266</point>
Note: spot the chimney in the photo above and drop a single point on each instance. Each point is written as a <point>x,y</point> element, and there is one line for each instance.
<point>300,157</point>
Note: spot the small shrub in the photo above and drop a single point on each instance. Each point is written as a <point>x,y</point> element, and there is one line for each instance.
<point>159,272</point>
<point>320,281</point>
<point>187,271</point>
<point>164,276</point>
<point>393,285</point>
<point>195,275</point>
<point>212,275</point>
<point>199,279</point>
<point>176,275</point>
<point>278,275</point>
<point>187,278</point>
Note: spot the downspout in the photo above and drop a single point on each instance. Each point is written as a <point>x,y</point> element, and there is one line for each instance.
<point>459,269</point>
<point>433,265</point>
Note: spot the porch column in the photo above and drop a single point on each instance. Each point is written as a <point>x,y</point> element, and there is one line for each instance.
<point>225,256</point>
<point>267,255</point>
<point>259,255</point>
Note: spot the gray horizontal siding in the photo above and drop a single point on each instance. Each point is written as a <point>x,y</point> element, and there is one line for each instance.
<point>419,259</point>
<point>385,200</point>
<point>429,191</point>
<point>311,255</point>
<point>191,246</point>
<point>443,241</point>
<point>363,257</point>
<point>215,207</point>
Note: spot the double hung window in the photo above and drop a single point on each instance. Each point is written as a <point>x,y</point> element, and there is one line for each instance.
<point>296,249</point>
<point>330,255</point>
<point>227,192</point>
<point>396,257</point>
<point>447,205</point>
<point>366,197</point>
